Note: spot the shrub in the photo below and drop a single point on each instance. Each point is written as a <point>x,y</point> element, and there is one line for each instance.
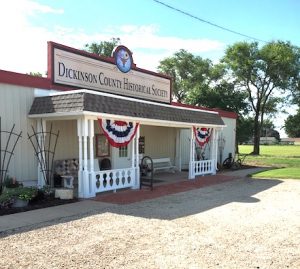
<point>5,200</point>
<point>23,193</point>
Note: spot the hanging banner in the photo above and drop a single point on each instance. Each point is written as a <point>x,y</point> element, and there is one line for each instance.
<point>118,133</point>
<point>202,135</point>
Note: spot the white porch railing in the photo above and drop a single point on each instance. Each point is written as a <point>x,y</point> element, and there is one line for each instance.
<point>113,179</point>
<point>205,167</point>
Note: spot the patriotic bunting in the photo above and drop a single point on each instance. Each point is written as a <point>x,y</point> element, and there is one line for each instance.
<point>202,135</point>
<point>118,133</point>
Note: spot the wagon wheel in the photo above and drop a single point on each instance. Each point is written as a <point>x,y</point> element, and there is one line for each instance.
<point>146,167</point>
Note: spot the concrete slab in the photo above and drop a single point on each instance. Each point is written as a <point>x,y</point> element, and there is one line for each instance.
<point>19,220</point>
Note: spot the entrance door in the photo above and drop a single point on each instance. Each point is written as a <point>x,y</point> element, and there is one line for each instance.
<point>185,137</point>
<point>122,156</point>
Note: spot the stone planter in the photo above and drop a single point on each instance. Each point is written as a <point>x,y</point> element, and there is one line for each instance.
<point>64,193</point>
<point>20,203</point>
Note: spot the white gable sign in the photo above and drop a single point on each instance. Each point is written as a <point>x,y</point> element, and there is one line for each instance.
<point>78,70</point>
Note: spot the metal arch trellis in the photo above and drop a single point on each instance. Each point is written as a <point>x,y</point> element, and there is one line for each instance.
<point>7,152</point>
<point>44,151</point>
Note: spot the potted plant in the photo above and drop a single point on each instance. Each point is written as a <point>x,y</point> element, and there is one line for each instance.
<point>21,195</point>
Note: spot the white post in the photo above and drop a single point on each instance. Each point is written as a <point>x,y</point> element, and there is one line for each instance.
<point>91,186</point>
<point>192,155</point>
<point>85,158</point>
<point>133,147</point>
<point>137,161</point>
<point>216,148</point>
<point>80,161</point>
<point>212,150</point>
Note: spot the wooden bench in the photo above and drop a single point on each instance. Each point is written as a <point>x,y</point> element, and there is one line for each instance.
<point>163,164</point>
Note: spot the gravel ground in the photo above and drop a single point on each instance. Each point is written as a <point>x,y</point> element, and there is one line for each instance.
<point>240,224</point>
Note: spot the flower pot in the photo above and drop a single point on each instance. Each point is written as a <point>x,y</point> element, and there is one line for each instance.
<point>20,203</point>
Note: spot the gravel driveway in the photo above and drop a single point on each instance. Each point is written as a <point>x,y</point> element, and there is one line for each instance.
<point>240,224</point>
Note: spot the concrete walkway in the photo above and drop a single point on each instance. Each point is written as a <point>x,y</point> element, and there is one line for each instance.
<point>40,216</point>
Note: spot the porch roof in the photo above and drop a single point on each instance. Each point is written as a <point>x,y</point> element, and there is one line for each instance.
<point>74,102</point>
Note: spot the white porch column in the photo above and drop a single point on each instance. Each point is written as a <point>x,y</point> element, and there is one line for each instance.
<point>91,186</point>
<point>213,149</point>
<point>80,159</point>
<point>85,176</point>
<point>216,148</point>
<point>137,159</point>
<point>192,156</point>
<point>133,149</point>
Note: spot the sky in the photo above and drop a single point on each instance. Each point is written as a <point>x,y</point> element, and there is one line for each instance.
<point>149,29</point>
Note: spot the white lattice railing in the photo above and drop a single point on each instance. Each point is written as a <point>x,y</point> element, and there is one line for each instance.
<point>113,179</point>
<point>204,167</point>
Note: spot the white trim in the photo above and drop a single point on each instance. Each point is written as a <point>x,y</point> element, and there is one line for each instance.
<point>131,99</point>
<point>144,121</point>
<point>192,154</point>
<point>80,159</point>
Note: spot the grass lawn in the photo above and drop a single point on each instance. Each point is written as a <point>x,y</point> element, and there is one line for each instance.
<point>284,157</point>
<point>290,172</point>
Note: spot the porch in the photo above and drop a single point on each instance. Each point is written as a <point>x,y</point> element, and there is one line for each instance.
<point>79,131</point>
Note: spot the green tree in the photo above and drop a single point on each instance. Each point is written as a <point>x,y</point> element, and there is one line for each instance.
<point>104,48</point>
<point>292,125</point>
<point>187,71</point>
<point>244,130</point>
<point>218,92</point>
<point>263,72</point>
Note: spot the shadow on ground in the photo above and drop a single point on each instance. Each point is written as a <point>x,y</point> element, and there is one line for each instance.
<point>199,200</point>
<point>168,207</point>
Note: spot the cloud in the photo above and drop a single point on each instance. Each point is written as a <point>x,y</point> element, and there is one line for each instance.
<point>24,47</point>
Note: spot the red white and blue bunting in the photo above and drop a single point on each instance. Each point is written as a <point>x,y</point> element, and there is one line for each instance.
<point>202,135</point>
<point>118,133</point>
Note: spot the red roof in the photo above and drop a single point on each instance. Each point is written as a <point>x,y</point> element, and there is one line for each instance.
<point>223,113</point>
<point>19,79</point>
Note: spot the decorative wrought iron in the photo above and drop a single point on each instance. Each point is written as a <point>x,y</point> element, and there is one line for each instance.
<point>44,151</point>
<point>7,151</point>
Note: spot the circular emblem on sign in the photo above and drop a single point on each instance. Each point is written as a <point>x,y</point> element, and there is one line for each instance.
<point>123,59</point>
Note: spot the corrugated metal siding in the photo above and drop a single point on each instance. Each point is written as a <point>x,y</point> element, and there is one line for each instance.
<point>229,134</point>
<point>159,141</point>
<point>15,103</point>
<point>67,143</point>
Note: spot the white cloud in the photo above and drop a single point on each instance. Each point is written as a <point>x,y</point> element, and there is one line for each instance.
<point>24,46</point>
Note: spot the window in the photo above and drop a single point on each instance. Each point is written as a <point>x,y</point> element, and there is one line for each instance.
<point>123,152</point>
